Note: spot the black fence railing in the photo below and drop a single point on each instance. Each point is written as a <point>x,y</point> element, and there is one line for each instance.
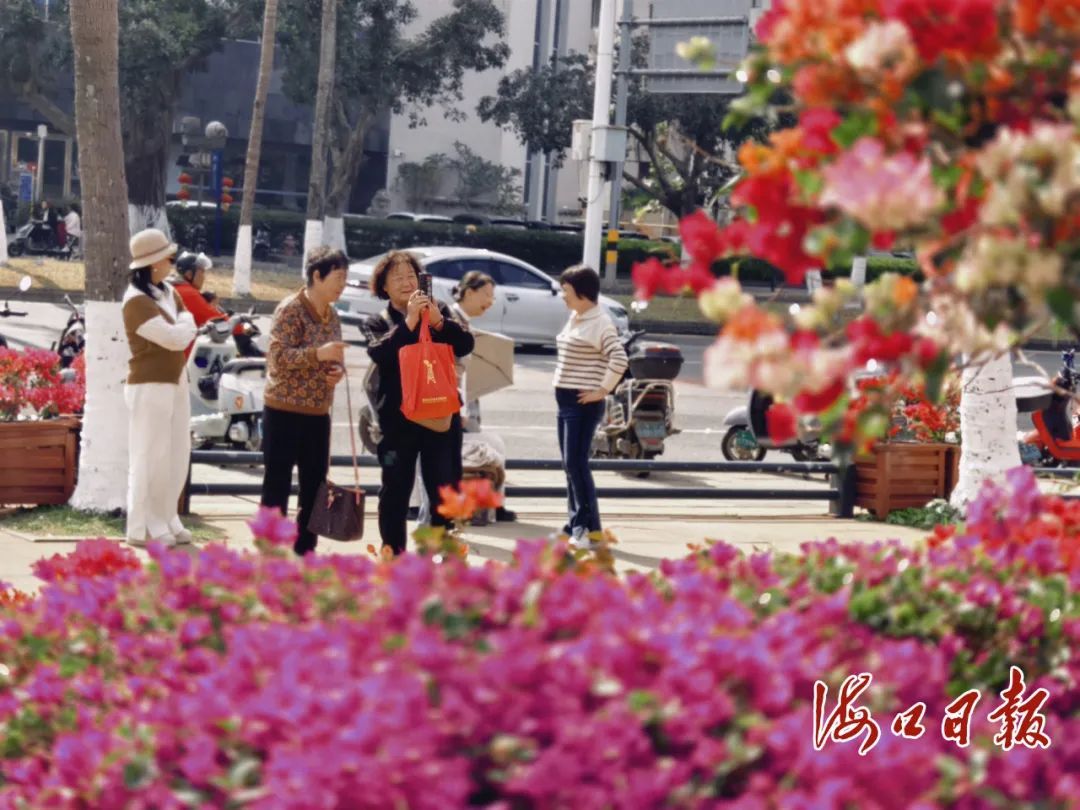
<point>839,492</point>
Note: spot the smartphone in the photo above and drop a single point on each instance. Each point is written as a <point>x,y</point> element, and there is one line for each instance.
<point>425,283</point>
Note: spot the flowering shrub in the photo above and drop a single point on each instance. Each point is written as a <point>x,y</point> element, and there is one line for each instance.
<point>909,413</point>
<point>31,387</point>
<point>946,125</point>
<point>226,679</point>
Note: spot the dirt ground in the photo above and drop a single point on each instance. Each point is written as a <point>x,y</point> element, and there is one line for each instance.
<point>55,274</point>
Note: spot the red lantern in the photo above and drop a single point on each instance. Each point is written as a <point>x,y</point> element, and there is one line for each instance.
<point>227,182</point>
<point>226,199</point>
<point>185,179</point>
<point>183,194</point>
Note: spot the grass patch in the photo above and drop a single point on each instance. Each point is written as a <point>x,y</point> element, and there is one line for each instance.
<point>665,308</point>
<point>64,521</point>
<point>55,274</point>
<point>935,513</point>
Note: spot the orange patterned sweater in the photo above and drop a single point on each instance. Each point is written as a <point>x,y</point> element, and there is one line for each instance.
<point>296,381</point>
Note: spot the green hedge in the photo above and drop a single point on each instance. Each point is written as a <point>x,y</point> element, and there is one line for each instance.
<point>551,251</point>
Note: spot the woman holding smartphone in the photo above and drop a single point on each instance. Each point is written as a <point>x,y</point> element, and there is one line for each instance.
<point>397,279</point>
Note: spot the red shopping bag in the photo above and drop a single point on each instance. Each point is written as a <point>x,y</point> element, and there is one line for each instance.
<point>429,394</point>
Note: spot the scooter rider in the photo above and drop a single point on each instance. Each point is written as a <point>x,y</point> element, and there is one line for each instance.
<point>191,275</point>
<point>188,282</point>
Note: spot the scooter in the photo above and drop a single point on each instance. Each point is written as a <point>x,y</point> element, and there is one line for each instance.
<point>639,413</point>
<point>747,435</point>
<point>1050,408</point>
<point>227,379</point>
<point>73,337</point>
<point>36,238</point>
<point>8,312</point>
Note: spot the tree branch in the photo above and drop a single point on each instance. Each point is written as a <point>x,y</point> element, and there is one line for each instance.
<point>646,141</point>
<point>59,119</point>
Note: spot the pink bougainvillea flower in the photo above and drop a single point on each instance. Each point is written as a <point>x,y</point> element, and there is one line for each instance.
<point>269,524</point>
<point>701,237</point>
<point>649,277</point>
<point>884,193</point>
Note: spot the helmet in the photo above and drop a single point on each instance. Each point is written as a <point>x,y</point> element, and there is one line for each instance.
<point>186,263</point>
<point>203,261</point>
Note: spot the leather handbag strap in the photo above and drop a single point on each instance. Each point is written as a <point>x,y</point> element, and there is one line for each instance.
<point>352,431</point>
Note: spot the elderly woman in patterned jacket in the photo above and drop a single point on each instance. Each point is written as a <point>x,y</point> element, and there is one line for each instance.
<point>305,361</point>
<point>159,439</point>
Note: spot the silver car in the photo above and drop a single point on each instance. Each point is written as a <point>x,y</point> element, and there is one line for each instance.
<point>528,305</point>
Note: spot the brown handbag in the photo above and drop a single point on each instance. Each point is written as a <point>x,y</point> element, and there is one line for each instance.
<point>338,513</point>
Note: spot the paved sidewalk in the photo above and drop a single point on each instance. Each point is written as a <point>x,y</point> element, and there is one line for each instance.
<point>647,531</point>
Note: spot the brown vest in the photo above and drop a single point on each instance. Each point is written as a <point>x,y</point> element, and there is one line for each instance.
<point>150,362</point>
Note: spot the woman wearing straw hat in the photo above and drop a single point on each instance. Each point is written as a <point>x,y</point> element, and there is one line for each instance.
<point>158,328</point>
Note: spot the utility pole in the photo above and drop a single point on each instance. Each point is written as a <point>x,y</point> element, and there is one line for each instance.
<point>594,211</point>
<point>622,81</point>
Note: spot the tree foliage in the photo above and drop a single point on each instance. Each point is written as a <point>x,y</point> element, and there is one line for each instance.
<point>382,66</point>
<point>680,136</point>
<point>160,41</point>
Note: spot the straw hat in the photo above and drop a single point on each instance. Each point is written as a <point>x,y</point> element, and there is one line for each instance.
<point>150,246</point>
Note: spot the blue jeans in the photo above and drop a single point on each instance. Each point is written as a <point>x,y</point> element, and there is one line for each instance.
<point>577,426</point>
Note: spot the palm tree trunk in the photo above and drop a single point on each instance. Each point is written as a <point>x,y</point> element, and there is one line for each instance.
<point>103,458</point>
<point>242,264</point>
<point>987,426</point>
<point>320,137</point>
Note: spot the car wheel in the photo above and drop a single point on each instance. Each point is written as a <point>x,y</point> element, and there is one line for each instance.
<point>739,445</point>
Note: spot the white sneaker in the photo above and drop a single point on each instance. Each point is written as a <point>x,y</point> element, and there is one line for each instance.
<point>581,540</point>
<point>182,538</point>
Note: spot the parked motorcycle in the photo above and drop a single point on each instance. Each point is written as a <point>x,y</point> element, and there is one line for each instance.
<point>747,435</point>
<point>1055,441</point>
<point>227,377</point>
<point>639,413</point>
<point>8,312</point>
<point>36,238</point>
<point>73,337</point>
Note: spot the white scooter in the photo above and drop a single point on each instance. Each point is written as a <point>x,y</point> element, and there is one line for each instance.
<point>227,378</point>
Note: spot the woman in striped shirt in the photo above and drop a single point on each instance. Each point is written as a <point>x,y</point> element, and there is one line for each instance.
<point>592,361</point>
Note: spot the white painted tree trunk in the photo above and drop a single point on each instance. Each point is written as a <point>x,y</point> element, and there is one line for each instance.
<point>334,233</point>
<point>313,237</point>
<point>242,263</point>
<point>3,237</point>
<point>103,455</point>
<point>141,217</point>
<point>987,426</point>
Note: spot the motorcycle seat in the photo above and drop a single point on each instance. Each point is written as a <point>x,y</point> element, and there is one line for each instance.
<point>1066,451</point>
<point>239,366</point>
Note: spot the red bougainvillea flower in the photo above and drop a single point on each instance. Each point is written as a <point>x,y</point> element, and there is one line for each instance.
<point>91,558</point>
<point>817,401</point>
<point>965,28</point>
<point>473,495</point>
<point>780,422</point>
<point>649,277</point>
<point>701,237</point>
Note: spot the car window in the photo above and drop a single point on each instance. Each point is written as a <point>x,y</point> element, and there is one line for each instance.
<point>513,275</point>
<point>452,270</point>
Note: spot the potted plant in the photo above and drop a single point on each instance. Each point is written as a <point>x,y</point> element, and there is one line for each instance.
<point>39,426</point>
<point>919,460</point>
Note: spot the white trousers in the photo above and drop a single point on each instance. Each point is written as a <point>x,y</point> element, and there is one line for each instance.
<point>159,449</point>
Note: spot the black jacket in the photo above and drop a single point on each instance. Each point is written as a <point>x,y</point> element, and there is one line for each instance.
<point>383,344</point>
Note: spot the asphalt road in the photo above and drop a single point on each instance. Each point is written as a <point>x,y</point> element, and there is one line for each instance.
<point>523,415</point>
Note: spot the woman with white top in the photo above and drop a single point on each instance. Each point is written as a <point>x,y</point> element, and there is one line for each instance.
<point>591,362</point>
<point>158,328</point>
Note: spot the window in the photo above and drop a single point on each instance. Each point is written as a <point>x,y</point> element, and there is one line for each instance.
<point>513,275</point>
<point>449,270</point>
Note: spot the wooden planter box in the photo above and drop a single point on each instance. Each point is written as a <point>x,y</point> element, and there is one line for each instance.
<point>905,475</point>
<point>38,461</point>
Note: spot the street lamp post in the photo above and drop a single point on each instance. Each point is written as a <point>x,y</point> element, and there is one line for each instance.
<point>601,121</point>
<point>39,183</point>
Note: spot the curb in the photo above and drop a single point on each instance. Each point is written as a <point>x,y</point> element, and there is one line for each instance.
<point>698,328</point>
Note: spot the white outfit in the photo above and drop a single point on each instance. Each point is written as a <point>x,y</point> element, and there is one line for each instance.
<point>159,433</point>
